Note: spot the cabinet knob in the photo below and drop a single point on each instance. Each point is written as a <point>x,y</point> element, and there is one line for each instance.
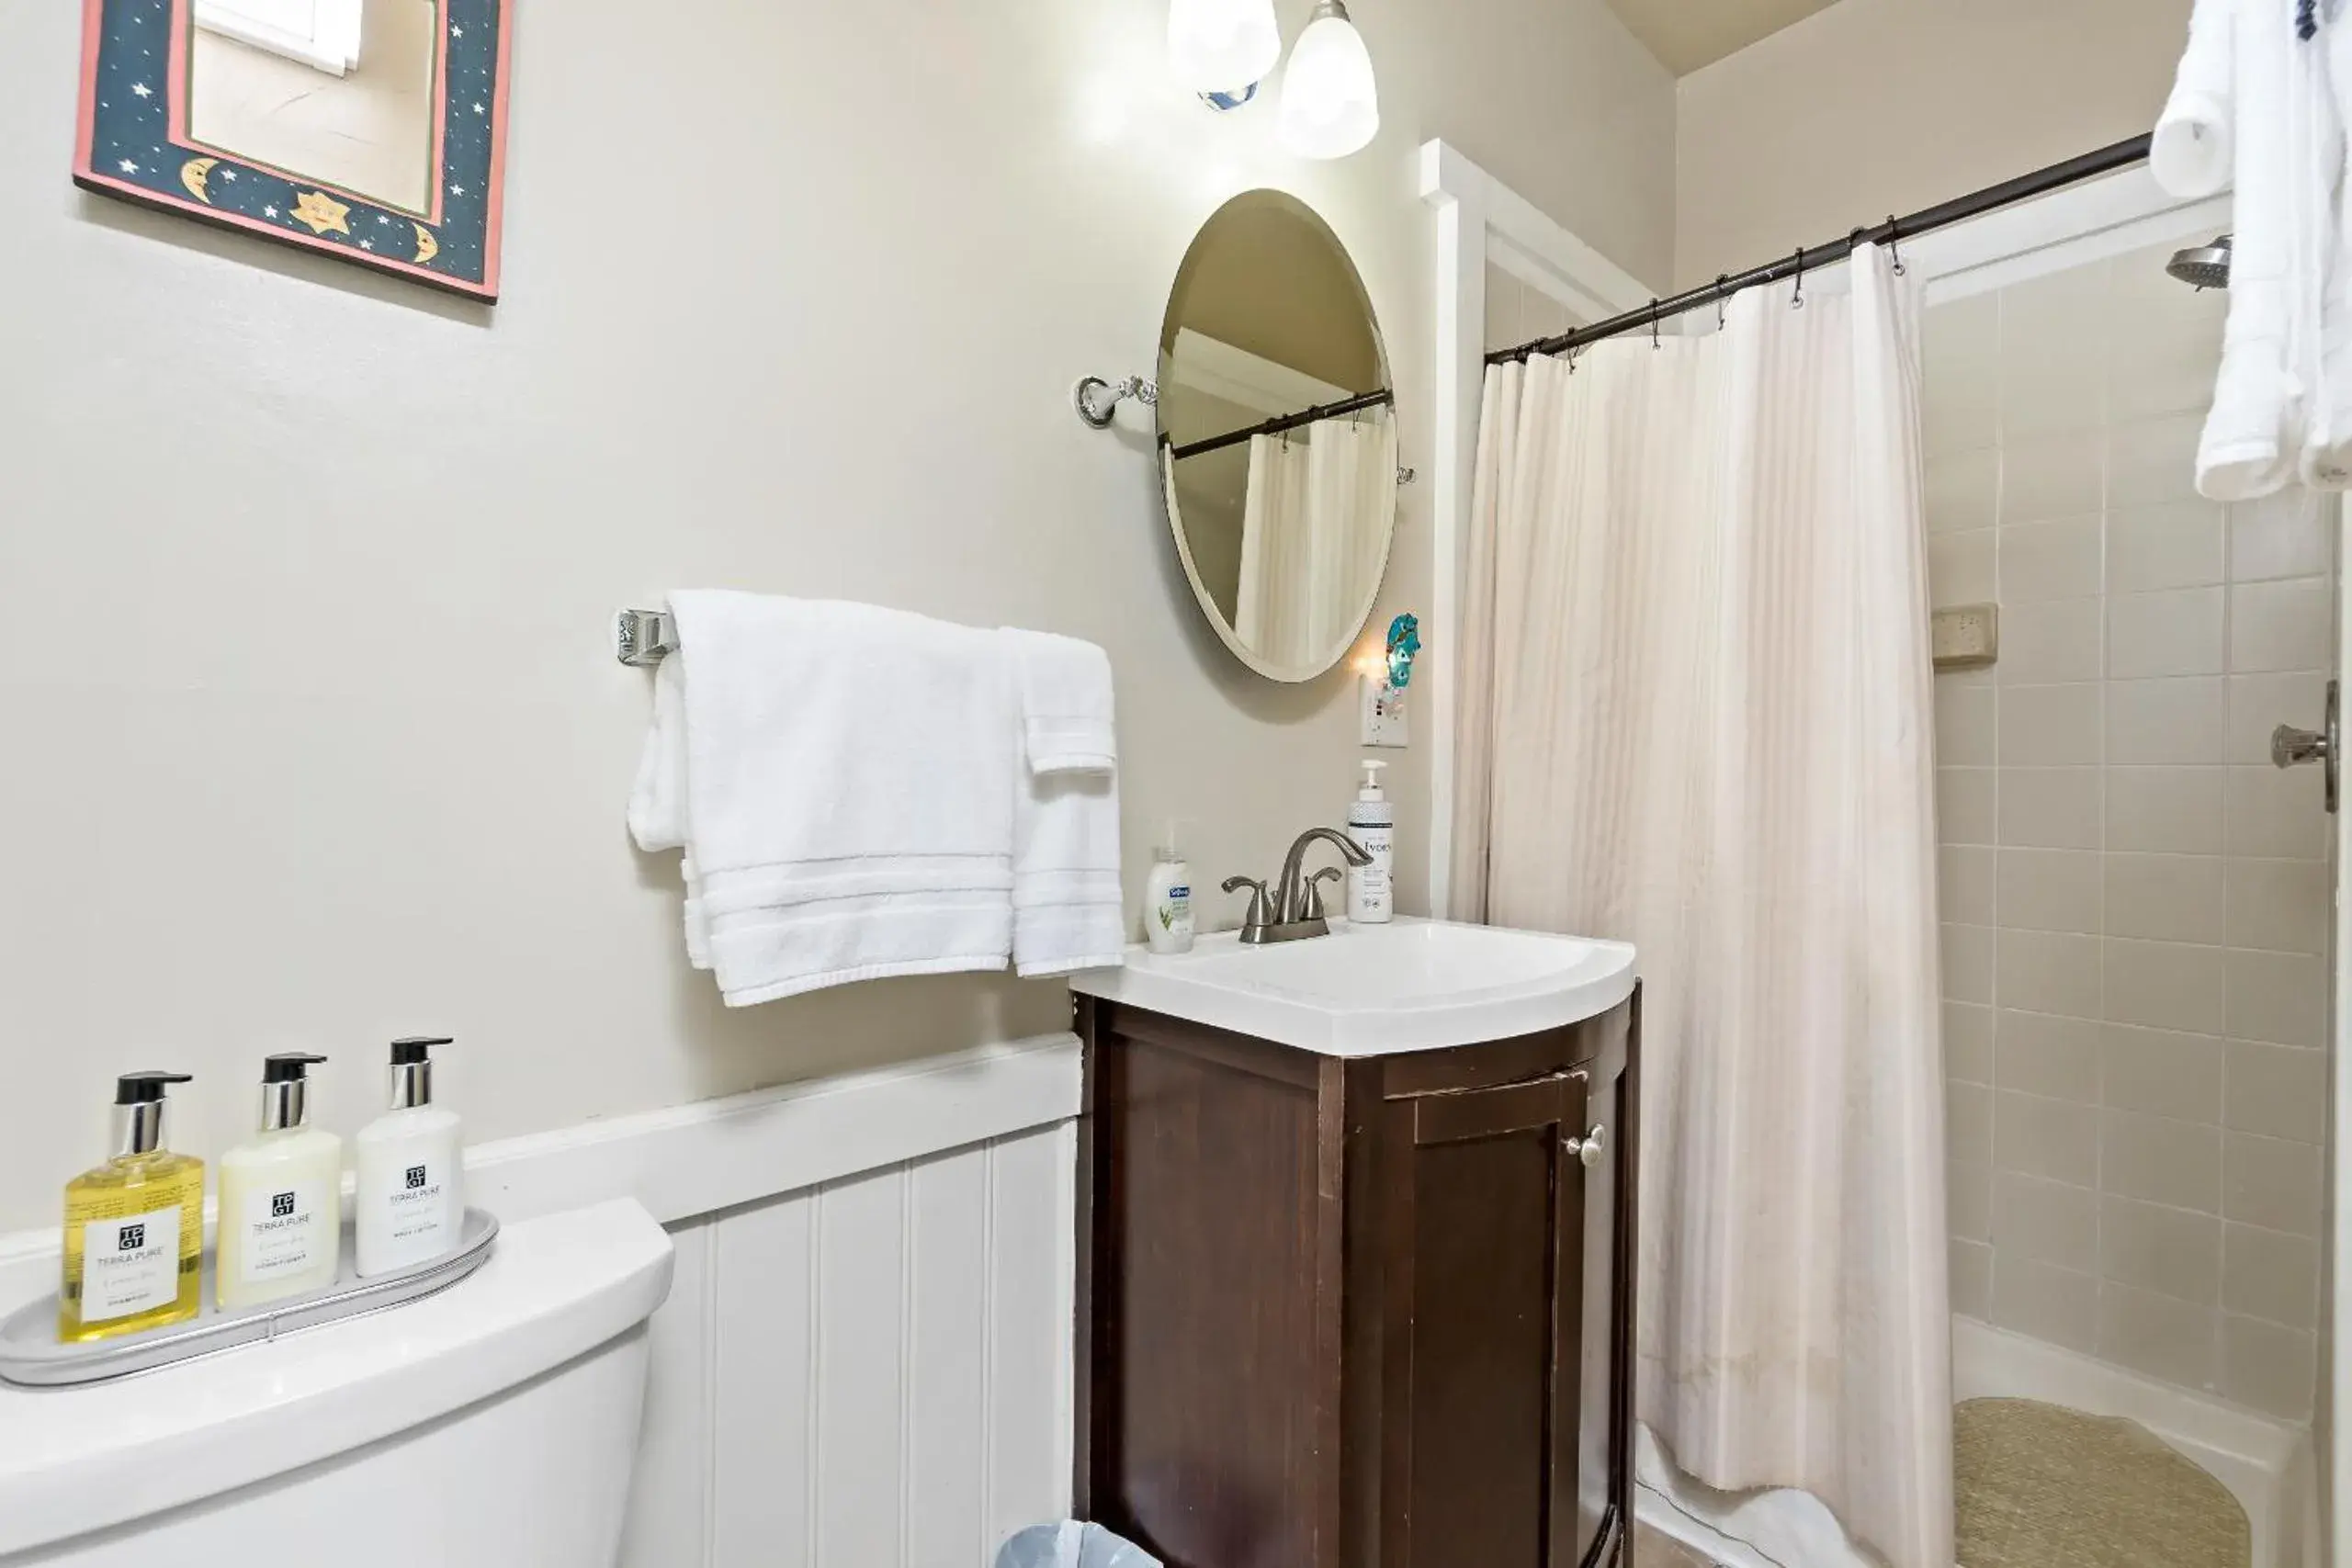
<point>1590,1147</point>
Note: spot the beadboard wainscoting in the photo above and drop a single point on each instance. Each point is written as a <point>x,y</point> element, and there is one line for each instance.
<point>866,1357</point>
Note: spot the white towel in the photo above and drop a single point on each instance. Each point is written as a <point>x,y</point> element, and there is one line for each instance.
<point>2326,460</point>
<point>1065,704</point>
<point>1068,912</point>
<point>2192,152</point>
<point>848,776</point>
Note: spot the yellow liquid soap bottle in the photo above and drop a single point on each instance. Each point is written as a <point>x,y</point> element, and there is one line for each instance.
<point>134,1226</point>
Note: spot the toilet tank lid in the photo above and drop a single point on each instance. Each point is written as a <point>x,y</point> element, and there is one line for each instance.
<point>77,1460</point>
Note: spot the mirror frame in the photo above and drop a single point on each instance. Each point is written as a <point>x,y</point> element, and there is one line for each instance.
<point>1203,600</point>
<point>136,146</point>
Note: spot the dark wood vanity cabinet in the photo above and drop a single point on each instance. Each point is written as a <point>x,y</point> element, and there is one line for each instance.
<point>1357,1313</point>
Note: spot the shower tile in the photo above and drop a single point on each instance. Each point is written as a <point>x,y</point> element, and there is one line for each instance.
<point>2051,1138</point>
<point>2277,996</point>
<point>1965,801</point>
<point>2278,813</point>
<point>2041,727</point>
<point>2053,354</point>
<point>2171,1251</point>
<point>2164,985</point>
<point>2049,641</point>
<point>1965,725</point>
<point>2282,906</point>
<point>2286,534</point>
<point>2281,626</point>
<point>2177,1164</point>
<point>2260,703</point>
<point>2160,357</point>
<point>2047,1221</point>
<point>2048,560</point>
<point>2166,898</point>
<point>2269,1367</point>
<point>1960,568</point>
<point>1963,490</point>
<point>2271,1182</point>
<point>2049,890</point>
<point>1964,884</point>
<point>2041,1054</point>
<point>2048,972</point>
<point>1968,1193</point>
<point>2280,1091</point>
<point>2164,721</point>
<point>1968,963</point>
<point>2162,1073</point>
<point>2151,548</point>
<point>2160,1336</point>
<point>2173,633</point>
<point>2054,808</point>
<point>1968,1042</point>
<point>2152,462</point>
<point>1972,1279</point>
<point>1968,1123</point>
<point>2059,1305</point>
<point>2164,810</point>
<point>2270,1275</point>
<point>2042,480</point>
<point>1961,356</point>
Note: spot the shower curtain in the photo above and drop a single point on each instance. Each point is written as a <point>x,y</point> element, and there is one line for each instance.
<point>1697,717</point>
<point>1311,544</point>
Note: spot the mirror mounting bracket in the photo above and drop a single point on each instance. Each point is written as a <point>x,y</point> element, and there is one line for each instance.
<point>1097,400</point>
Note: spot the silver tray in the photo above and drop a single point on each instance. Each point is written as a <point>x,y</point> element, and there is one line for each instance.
<point>31,1357</point>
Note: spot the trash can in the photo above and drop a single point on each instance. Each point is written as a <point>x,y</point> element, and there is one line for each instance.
<point>1072,1545</point>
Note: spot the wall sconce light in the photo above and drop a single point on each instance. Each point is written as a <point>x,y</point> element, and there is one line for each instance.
<point>1330,104</point>
<point>1222,49</point>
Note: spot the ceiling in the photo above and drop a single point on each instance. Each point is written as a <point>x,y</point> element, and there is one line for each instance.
<point>1687,34</point>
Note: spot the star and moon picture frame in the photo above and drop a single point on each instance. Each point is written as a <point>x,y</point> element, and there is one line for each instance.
<point>373,130</point>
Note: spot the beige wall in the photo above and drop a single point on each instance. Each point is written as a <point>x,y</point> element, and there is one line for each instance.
<point>1879,106</point>
<point>2136,903</point>
<point>315,734</point>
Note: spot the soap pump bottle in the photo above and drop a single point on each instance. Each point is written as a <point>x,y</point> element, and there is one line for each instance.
<point>134,1226</point>
<point>281,1196</point>
<point>410,1196</point>
<point>1168,912</point>
<point>1372,822</point>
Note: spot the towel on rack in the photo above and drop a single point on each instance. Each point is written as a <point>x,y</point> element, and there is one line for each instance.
<point>1068,912</point>
<point>840,778</point>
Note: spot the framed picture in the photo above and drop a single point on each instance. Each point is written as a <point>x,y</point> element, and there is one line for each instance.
<point>371,129</point>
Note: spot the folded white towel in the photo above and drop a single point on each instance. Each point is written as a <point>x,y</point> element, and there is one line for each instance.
<point>1065,707</point>
<point>848,778</point>
<point>2192,152</point>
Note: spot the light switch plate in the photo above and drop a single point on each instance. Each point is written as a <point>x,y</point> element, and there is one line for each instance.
<point>1966,636</point>
<point>1384,712</point>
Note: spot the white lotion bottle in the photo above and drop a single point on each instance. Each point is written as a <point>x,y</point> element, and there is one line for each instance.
<point>1168,898</point>
<point>1372,822</point>
<point>281,1196</point>
<point>411,1197</point>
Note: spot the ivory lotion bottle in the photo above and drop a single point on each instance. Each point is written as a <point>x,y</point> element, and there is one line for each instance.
<point>1372,822</point>
<point>134,1226</point>
<point>411,1197</point>
<point>280,1231</point>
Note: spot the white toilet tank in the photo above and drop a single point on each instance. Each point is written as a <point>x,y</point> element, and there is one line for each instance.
<point>492,1425</point>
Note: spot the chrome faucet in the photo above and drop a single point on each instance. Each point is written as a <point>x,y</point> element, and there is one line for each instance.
<point>1294,910</point>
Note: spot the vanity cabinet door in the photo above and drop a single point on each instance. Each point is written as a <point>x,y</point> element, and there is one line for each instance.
<point>1484,1298</point>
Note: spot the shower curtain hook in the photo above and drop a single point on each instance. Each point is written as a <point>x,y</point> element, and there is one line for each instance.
<point>1654,342</point>
<point>1723,300</point>
<point>1893,245</point>
<point>1796,302</point>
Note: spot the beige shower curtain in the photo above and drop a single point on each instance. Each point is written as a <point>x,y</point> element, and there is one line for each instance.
<point>1313,540</point>
<point>1697,716</point>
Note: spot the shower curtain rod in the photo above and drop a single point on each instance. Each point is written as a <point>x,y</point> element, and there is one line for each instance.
<point>1284,421</point>
<point>2024,187</point>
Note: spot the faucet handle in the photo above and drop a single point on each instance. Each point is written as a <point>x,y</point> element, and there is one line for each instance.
<point>1261,905</point>
<point>1314,892</point>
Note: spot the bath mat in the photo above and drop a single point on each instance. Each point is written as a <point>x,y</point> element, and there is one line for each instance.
<point>2041,1486</point>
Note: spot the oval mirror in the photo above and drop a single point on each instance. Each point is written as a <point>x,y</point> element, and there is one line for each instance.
<point>1277,436</point>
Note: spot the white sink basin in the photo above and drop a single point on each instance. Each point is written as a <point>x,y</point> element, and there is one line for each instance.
<point>1372,990</point>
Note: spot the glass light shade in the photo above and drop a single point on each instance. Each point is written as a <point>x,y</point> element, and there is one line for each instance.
<point>1330,105</point>
<point>1222,46</point>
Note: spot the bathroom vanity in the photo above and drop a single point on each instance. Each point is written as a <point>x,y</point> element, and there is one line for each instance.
<point>1356,1230</point>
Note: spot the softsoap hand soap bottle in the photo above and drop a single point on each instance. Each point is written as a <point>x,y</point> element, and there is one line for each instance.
<point>134,1226</point>
<point>280,1232</point>
<point>412,1191</point>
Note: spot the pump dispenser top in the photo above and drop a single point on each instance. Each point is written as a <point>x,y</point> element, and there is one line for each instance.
<point>412,1069</point>
<point>286,1089</point>
<point>139,1111</point>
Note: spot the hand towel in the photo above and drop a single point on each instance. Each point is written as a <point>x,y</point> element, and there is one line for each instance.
<point>2192,152</point>
<point>848,775</point>
<point>2326,461</point>
<point>1065,704</point>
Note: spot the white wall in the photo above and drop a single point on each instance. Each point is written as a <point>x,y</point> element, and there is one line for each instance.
<point>313,733</point>
<point>1879,106</point>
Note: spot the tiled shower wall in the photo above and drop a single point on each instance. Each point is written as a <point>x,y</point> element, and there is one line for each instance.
<point>2136,905</point>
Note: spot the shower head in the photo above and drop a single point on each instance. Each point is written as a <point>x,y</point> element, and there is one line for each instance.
<point>2202,266</point>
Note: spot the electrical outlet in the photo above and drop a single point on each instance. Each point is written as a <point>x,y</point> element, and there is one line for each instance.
<point>1384,712</point>
<point>1967,636</point>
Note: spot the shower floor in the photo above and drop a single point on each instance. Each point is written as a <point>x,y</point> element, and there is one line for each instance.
<point>2041,1486</point>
